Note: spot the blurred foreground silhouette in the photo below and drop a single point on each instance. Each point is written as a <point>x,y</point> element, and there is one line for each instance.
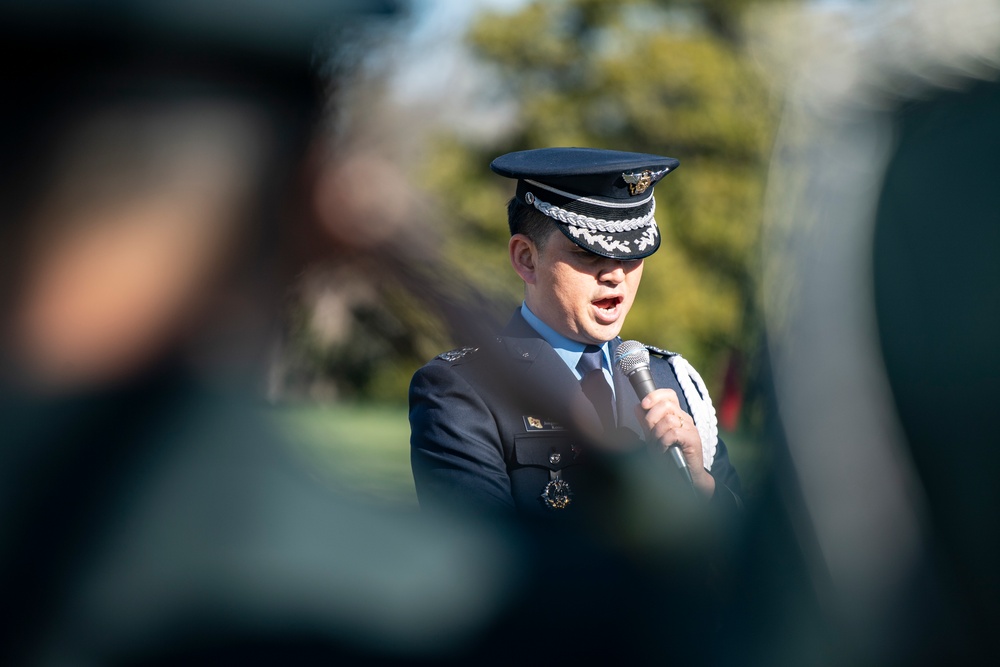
<point>156,175</point>
<point>881,290</point>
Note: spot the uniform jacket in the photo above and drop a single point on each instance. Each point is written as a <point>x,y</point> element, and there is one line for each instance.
<point>491,426</point>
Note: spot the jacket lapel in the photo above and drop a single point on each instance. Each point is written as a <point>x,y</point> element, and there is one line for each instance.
<point>553,386</point>
<point>545,377</point>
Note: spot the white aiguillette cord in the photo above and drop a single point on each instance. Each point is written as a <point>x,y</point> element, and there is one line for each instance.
<point>705,418</point>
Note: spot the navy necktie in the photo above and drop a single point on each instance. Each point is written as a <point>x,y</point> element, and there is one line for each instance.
<point>595,386</point>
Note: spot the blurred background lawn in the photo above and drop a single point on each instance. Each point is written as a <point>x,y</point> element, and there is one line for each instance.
<point>361,448</point>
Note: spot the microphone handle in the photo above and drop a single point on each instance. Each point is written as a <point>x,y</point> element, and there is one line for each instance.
<point>682,465</point>
<point>642,382</point>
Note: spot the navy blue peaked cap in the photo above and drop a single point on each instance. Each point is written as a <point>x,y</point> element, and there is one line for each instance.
<point>602,200</point>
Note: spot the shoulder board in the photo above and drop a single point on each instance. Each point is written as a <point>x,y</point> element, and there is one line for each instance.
<point>660,351</point>
<point>456,354</point>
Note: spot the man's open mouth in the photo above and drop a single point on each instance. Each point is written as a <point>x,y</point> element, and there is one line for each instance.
<point>609,303</point>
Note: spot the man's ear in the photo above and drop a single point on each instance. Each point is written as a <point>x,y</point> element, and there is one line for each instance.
<point>523,257</point>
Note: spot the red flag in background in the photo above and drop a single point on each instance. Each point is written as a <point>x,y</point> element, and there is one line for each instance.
<point>731,402</point>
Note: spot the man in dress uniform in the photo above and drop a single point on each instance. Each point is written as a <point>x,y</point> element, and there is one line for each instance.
<point>523,423</point>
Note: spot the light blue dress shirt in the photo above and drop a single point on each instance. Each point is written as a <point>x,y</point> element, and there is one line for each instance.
<point>568,350</point>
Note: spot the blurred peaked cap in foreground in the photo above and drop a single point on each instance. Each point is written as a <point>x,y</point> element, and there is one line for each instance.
<point>602,200</point>
<point>60,60</point>
<point>283,28</point>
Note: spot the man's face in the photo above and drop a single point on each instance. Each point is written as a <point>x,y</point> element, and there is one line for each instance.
<point>583,296</point>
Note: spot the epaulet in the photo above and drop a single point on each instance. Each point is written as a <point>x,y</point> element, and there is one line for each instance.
<point>659,351</point>
<point>456,354</point>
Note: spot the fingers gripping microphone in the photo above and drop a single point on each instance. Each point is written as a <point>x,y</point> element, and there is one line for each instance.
<point>632,358</point>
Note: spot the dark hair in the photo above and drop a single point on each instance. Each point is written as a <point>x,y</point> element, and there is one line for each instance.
<point>527,220</point>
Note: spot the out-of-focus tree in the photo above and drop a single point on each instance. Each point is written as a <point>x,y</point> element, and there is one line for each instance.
<point>664,77</point>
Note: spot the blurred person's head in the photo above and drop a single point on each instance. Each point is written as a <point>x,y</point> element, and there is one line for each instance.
<point>152,158</point>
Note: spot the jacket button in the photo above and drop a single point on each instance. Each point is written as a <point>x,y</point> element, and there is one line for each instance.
<point>555,457</point>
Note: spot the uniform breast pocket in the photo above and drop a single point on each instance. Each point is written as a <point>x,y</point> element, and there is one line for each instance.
<point>552,451</point>
<point>542,470</point>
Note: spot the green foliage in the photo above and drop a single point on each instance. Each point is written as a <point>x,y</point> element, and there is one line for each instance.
<point>386,337</point>
<point>477,235</point>
<point>659,77</point>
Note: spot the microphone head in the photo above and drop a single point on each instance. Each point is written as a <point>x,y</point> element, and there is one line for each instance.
<point>631,356</point>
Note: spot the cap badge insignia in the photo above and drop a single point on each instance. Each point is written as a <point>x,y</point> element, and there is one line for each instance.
<point>638,183</point>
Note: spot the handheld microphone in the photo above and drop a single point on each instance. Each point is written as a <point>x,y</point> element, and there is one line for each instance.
<point>632,358</point>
